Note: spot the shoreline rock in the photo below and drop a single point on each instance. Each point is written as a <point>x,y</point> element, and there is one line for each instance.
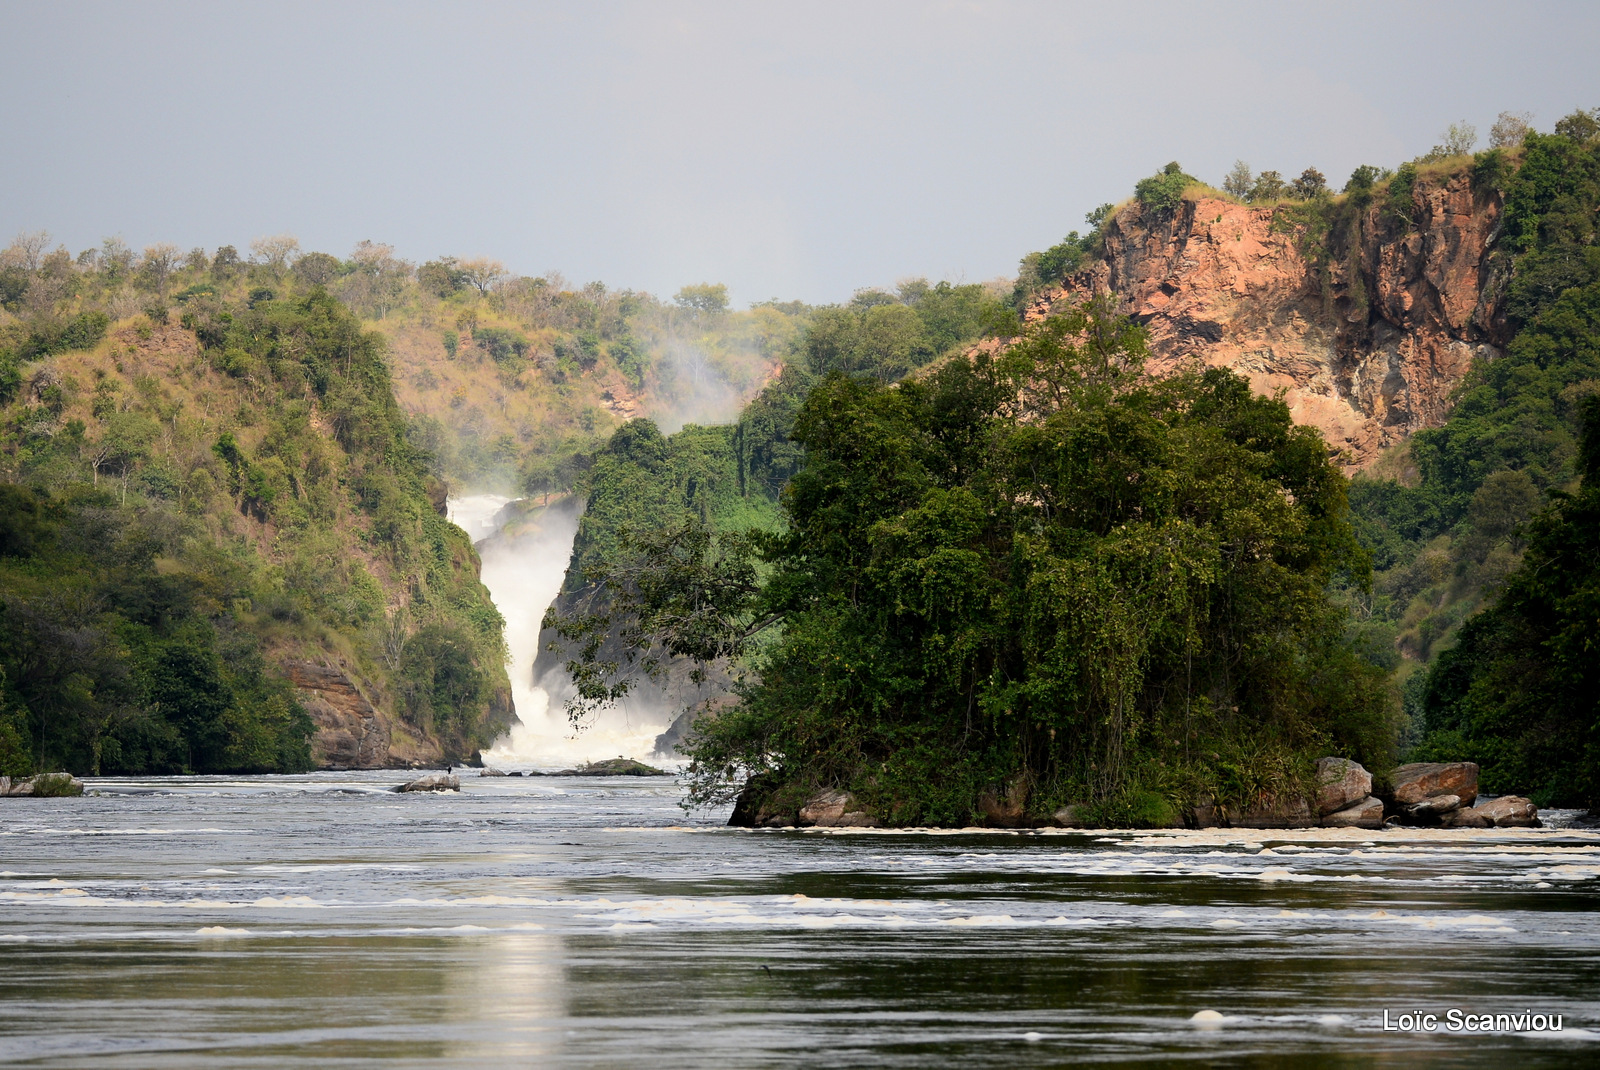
<point>1419,781</point>
<point>1341,783</point>
<point>1366,814</point>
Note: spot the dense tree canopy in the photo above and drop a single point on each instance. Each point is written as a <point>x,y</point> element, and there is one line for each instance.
<point>1042,572</point>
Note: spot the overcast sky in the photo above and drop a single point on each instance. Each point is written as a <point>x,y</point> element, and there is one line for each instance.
<point>794,150</point>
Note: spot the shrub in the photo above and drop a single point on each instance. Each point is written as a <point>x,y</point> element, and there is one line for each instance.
<point>1162,192</point>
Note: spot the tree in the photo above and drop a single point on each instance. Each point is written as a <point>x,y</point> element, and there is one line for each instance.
<point>1039,572</point>
<point>226,262</point>
<point>1457,140</point>
<point>1239,180</point>
<point>26,250</point>
<point>1269,186</point>
<point>442,277</point>
<point>319,269</point>
<point>277,251</point>
<point>1311,183</point>
<point>1509,128</point>
<point>156,267</point>
<point>703,298</point>
<point>482,273</point>
<point>1582,126</point>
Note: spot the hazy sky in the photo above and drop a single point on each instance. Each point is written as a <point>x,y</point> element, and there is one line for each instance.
<point>794,150</point>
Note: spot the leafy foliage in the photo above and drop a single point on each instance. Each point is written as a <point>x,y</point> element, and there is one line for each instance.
<point>1162,192</point>
<point>1520,691</point>
<point>1043,568</point>
<point>203,516</point>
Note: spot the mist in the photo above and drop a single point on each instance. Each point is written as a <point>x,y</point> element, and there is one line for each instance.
<point>524,562</point>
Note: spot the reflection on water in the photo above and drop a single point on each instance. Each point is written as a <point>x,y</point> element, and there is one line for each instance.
<point>321,921</point>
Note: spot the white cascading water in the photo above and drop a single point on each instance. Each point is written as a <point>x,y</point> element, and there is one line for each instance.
<point>523,577</point>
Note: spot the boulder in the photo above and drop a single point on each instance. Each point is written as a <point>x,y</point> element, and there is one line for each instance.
<point>1366,814</point>
<point>826,807</point>
<point>831,808</point>
<point>488,771</point>
<point>1435,806</point>
<point>1426,780</point>
<point>1270,812</point>
<point>1468,817</point>
<point>1509,811</point>
<point>1341,783</point>
<point>432,782</point>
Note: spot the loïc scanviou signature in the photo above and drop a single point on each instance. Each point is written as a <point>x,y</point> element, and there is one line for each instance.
<point>1456,1020</point>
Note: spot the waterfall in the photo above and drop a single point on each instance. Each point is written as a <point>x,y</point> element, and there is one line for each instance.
<point>523,571</point>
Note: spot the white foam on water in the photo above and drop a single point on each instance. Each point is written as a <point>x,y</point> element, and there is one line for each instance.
<point>524,576</point>
<point>220,930</point>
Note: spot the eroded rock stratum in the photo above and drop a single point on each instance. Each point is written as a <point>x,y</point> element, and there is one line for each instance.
<point>1366,341</point>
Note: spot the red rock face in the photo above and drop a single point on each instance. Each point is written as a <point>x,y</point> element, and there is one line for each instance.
<point>1367,351</point>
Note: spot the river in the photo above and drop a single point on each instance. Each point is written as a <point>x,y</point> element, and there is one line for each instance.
<point>322,921</point>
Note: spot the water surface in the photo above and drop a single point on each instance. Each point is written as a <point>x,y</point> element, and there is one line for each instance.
<point>322,921</point>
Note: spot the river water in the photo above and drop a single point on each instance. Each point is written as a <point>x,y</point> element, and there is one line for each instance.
<point>322,921</point>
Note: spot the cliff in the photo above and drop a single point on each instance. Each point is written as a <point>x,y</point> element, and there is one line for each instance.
<point>1364,320</point>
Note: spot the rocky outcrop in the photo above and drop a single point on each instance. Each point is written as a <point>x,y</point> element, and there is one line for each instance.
<point>351,732</point>
<point>1366,341</point>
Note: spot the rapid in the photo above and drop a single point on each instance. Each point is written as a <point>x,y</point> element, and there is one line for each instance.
<point>321,920</point>
<point>324,921</point>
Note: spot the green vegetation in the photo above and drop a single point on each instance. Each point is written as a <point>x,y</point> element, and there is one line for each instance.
<point>1452,537</point>
<point>1519,693</point>
<point>1042,575</point>
<point>194,495</point>
<point>1163,191</point>
<point>655,497</point>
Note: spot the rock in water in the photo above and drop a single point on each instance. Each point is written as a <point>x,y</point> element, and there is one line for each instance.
<point>1509,811</point>
<point>614,767</point>
<point>1435,806</point>
<point>432,782</point>
<point>45,785</point>
<point>1340,783</point>
<point>1366,814</point>
<point>1426,780</point>
<point>490,771</point>
<point>1469,817</point>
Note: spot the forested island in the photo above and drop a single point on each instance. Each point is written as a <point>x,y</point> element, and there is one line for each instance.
<point>962,553</point>
<point>1051,571</point>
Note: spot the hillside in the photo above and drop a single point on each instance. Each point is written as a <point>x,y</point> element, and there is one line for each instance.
<point>223,550</point>
<point>512,382</point>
